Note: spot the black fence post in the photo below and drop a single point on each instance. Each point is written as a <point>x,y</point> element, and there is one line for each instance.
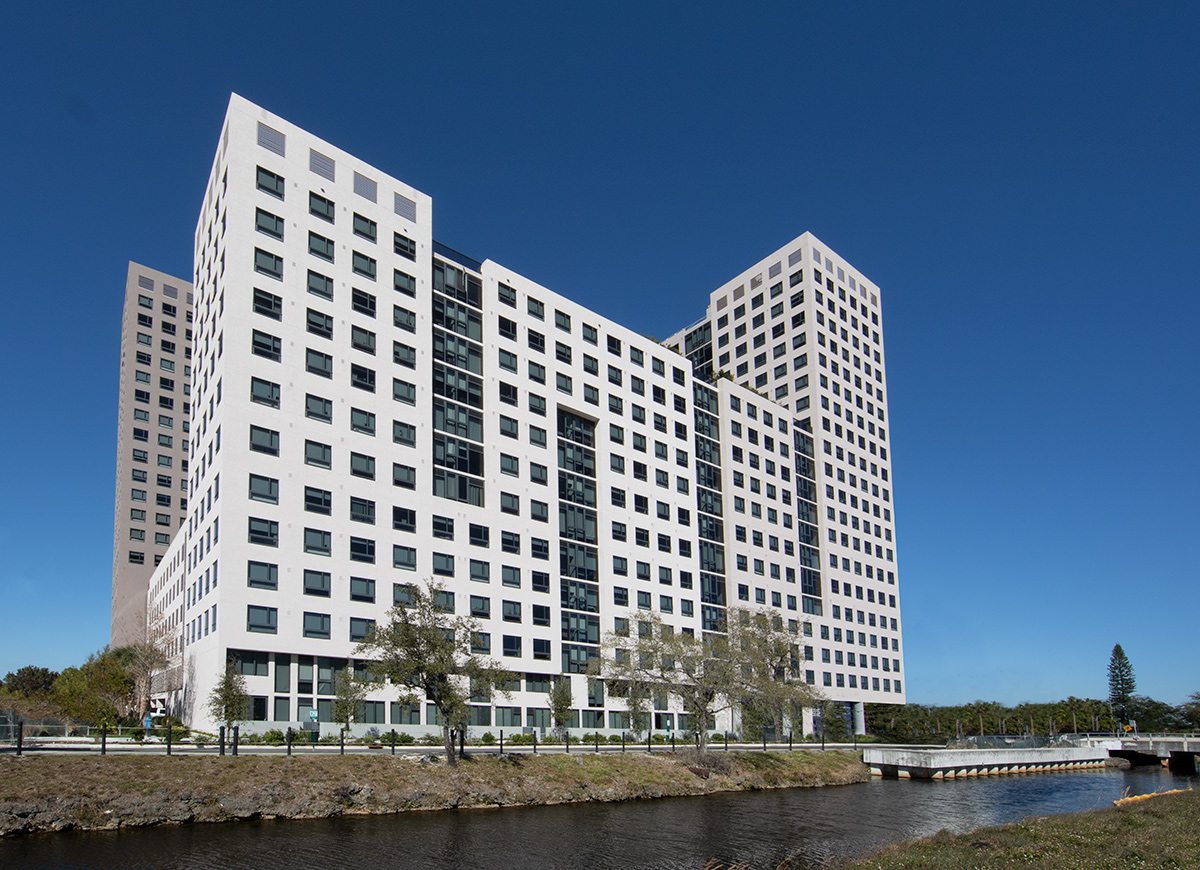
<point>567,743</point>
<point>726,741</point>
<point>764,739</point>
<point>672,741</point>
<point>221,736</point>
<point>649,748</point>
<point>393,741</point>
<point>20,738</point>
<point>501,741</point>
<point>169,731</point>
<point>341,741</point>
<point>462,738</point>
<point>289,740</point>
<point>104,739</point>
<point>535,743</point>
<point>622,740</point>
<point>597,736</point>
<point>235,740</point>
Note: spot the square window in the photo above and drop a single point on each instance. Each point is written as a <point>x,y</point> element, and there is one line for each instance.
<point>264,440</point>
<point>316,625</point>
<point>318,542</point>
<point>362,465</point>
<point>318,363</point>
<point>318,408</point>
<point>317,454</point>
<point>262,620</point>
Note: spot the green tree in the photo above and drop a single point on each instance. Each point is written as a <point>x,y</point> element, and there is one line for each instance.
<point>1152,715</point>
<point>1190,710</point>
<point>1121,683</point>
<point>349,693</point>
<point>833,721</point>
<point>30,681</point>
<point>767,668</point>
<point>424,649</point>
<point>97,692</point>
<point>228,702</point>
<point>657,659</point>
<point>561,701</point>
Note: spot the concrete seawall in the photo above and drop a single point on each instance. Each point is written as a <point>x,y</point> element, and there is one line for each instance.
<point>951,763</point>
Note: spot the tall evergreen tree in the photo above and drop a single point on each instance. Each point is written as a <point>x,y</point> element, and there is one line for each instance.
<point>1121,683</point>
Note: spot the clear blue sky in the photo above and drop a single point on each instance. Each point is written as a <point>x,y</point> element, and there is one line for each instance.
<point>1021,179</point>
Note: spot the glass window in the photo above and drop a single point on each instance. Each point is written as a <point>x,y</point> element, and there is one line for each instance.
<point>264,489</point>
<point>317,583</point>
<point>316,625</point>
<point>263,620</point>
<point>262,575</point>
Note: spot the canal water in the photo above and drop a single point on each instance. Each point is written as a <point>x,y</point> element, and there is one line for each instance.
<point>756,828</point>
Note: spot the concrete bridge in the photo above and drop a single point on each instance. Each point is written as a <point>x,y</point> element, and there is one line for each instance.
<point>952,763</point>
<point>1178,753</point>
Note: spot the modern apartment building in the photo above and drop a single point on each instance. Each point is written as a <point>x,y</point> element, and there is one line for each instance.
<point>152,439</point>
<point>555,471</point>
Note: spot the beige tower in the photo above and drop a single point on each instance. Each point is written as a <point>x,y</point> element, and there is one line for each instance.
<point>152,438</point>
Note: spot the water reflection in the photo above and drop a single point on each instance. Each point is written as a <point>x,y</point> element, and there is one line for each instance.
<point>757,828</point>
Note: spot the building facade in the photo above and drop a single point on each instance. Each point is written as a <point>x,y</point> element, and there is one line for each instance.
<point>557,473</point>
<point>152,439</point>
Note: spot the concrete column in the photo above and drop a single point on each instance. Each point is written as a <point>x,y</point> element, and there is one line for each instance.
<point>860,719</point>
<point>806,721</point>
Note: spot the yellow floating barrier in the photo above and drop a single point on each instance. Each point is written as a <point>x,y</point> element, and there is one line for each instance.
<point>1120,802</point>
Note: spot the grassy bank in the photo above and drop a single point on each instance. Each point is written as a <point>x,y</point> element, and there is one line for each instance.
<point>43,793</point>
<point>1160,832</point>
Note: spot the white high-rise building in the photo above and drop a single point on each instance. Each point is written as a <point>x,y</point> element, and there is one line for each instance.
<point>152,439</point>
<point>555,471</point>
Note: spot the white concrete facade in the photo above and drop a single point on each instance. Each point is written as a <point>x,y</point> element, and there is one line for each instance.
<point>152,439</point>
<point>801,333</point>
<point>541,462</point>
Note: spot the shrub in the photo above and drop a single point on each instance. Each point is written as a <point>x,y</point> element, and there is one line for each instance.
<point>405,739</point>
<point>274,737</point>
<point>488,738</point>
<point>614,738</point>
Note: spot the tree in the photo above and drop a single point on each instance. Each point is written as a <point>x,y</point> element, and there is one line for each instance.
<point>767,667</point>
<point>424,649</point>
<point>98,691</point>
<point>28,692</point>
<point>229,703</point>
<point>657,659</point>
<point>30,681</point>
<point>349,693</point>
<point>1152,715</point>
<point>1121,683</point>
<point>833,715</point>
<point>1190,710</point>
<point>561,701</point>
<point>143,660</point>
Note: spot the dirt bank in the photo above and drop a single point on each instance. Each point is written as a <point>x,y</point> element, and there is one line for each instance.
<point>56,793</point>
